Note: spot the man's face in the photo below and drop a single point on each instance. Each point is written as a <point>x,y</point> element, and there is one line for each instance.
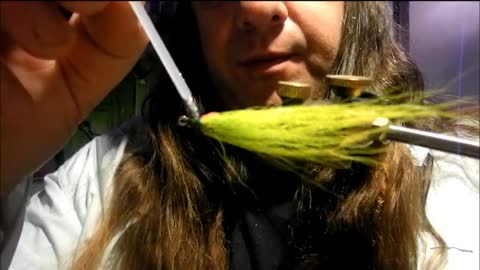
<point>250,46</point>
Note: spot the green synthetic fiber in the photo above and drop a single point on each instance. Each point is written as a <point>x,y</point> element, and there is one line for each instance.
<point>328,134</point>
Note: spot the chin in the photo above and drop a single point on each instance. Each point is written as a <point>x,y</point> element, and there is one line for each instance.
<point>257,97</point>
<point>272,100</point>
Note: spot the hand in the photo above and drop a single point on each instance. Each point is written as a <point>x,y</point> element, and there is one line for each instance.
<point>54,71</point>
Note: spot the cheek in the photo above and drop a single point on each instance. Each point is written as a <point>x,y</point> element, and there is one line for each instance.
<point>321,23</point>
<point>213,38</point>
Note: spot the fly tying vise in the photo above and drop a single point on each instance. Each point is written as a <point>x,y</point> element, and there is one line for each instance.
<point>346,87</point>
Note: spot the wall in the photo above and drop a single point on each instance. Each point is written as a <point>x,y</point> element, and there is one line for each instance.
<point>444,41</point>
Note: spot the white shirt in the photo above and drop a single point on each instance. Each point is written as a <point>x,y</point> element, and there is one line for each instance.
<point>63,214</point>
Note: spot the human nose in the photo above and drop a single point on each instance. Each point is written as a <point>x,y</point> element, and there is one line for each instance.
<point>260,15</point>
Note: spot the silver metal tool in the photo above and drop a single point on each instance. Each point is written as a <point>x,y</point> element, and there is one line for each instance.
<point>353,86</point>
<point>430,140</point>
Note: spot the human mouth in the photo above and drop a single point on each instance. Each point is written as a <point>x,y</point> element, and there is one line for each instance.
<point>266,63</point>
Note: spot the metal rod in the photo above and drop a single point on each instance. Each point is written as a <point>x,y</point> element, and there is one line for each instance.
<point>165,57</point>
<point>352,86</point>
<point>435,141</point>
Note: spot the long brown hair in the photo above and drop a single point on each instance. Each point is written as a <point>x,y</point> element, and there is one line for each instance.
<point>171,187</point>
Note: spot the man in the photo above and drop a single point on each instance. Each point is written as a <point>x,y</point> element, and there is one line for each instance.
<point>179,213</point>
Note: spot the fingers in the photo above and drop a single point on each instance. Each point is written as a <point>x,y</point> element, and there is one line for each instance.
<point>108,45</point>
<point>85,8</point>
<point>40,28</point>
<point>36,26</point>
<point>116,30</point>
<point>109,25</point>
<point>93,52</point>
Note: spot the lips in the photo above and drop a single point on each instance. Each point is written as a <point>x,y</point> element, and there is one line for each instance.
<point>265,62</point>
